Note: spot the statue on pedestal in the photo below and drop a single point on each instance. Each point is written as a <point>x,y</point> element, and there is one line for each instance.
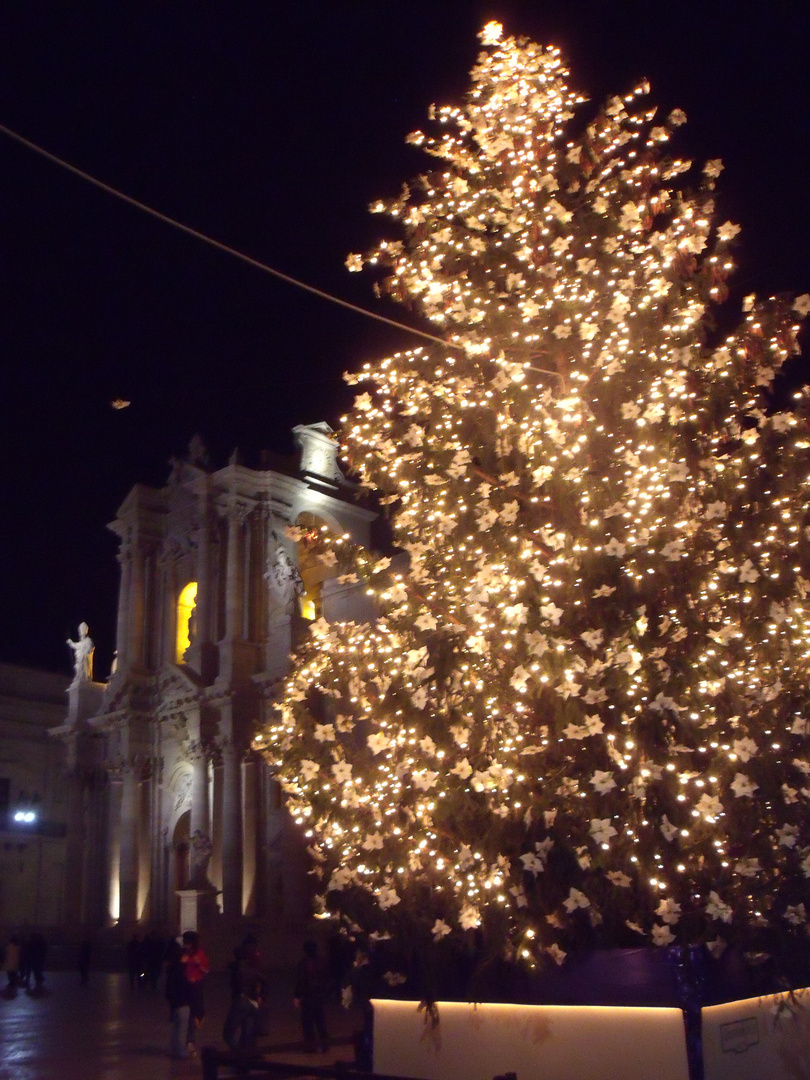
<point>282,575</point>
<point>82,655</point>
<point>201,849</point>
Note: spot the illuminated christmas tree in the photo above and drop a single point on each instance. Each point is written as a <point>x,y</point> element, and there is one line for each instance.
<point>582,716</point>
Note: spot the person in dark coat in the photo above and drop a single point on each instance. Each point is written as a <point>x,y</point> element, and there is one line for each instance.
<point>311,987</point>
<point>135,961</point>
<point>242,1022</point>
<point>153,958</point>
<point>36,951</point>
<point>178,995</point>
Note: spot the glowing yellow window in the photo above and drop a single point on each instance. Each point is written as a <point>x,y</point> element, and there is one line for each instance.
<point>309,608</point>
<point>185,606</point>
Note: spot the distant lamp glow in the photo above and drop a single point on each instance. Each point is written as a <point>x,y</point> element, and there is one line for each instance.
<point>25,817</point>
<point>185,606</point>
<point>308,609</point>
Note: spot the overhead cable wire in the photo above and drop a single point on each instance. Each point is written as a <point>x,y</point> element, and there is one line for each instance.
<point>255,263</point>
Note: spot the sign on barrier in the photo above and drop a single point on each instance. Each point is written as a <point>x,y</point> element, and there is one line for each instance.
<point>579,1042</point>
<point>766,1038</point>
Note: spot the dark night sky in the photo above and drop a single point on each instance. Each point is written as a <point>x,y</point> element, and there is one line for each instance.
<point>271,126</point>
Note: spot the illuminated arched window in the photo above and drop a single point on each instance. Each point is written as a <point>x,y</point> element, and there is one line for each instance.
<point>185,606</point>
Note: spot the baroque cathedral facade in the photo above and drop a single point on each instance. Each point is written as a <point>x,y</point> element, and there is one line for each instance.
<point>172,816</point>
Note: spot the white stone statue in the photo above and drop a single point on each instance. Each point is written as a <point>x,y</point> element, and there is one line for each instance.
<point>281,574</point>
<point>82,655</point>
<point>201,849</point>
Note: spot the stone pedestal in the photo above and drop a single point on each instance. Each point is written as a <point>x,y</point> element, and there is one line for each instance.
<point>198,908</point>
<point>84,700</point>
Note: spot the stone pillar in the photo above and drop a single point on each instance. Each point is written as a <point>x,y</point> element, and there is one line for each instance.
<point>135,610</point>
<point>236,514</point>
<point>235,654</point>
<point>215,866</point>
<point>157,839</point>
<point>114,848</point>
<point>231,828</point>
<point>202,654</point>
<point>76,851</point>
<point>144,836</point>
<point>129,863</point>
<point>200,819</point>
<point>125,587</point>
<point>250,822</point>
<point>96,866</point>
<point>202,539</point>
<point>168,610</point>
<point>271,835</point>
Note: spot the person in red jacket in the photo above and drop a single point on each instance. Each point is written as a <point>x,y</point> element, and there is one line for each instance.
<point>196,967</point>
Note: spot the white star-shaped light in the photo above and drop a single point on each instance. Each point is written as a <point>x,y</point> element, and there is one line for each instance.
<point>342,772</point>
<point>727,231</point>
<point>602,781</point>
<point>378,742</point>
<point>662,935</point>
<point>309,769</point>
<point>601,830</point>
<point>440,930</point>
<point>469,917</point>
<point>576,899</point>
<point>491,34</point>
<point>387,897</point>
<point>743,786</point>
<point>669,911</point>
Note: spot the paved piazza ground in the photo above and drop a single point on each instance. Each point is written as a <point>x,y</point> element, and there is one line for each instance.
<point>105,1031</point>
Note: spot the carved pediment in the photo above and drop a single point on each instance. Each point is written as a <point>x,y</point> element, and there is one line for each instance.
<point>129,693</point>
<point>177,687</point>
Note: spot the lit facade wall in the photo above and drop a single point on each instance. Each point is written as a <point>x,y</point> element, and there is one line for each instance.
<point>33,799</point>
<point>209,608</point>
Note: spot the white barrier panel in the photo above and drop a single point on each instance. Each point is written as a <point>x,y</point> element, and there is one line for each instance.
<point>765,1038</point>
<point>577,1042</point>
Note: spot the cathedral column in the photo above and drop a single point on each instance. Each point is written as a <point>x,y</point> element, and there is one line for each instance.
<point>135,610</point>
<point>202,653</point>
<point>114,847</point>
<point>168,644</point>
<point>236,514</point>
<point>231,826</point>
<point>124,588</point>
<point>128,858</point>
<point>200,818</point>
<point>75,882</point>
<point>204,583</point>
<point>144,837</point>
<point>250,825</point>
<point>157,884</point>
<point>235,655</point>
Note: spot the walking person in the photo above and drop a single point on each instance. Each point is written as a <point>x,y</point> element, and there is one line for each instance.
<point>37,951</point>
<point>12,962</point>
<point>197,966</point>
<point>135,961</point>
<point>178,995</point>
<point>242,1022</point>
<point>153,952</point>
<point>311,986</point>
<point>24,974</point>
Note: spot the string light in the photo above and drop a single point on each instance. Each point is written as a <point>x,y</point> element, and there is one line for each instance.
<point>581,715</point>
